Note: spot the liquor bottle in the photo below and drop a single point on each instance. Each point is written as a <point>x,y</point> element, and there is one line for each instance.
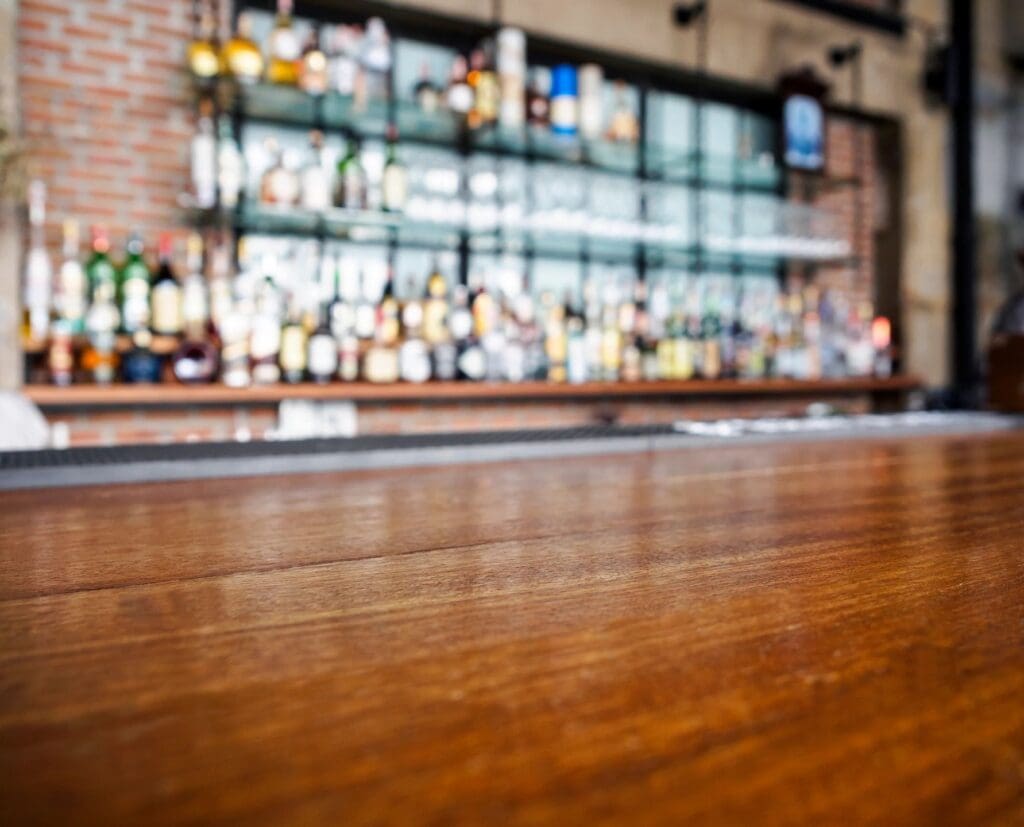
<point>538,105</point>
<point>624,125</point>
<point>293,345</point>
<point>387,328</point>
<point>576,348</point>
<point>315,178</point>
<point>351,183</point>
<point>265,338</point>
<point>323,350</point>
<point>380,363</point>
<point>195,303</point>
<point>513,357</point>
<point>631,370</point>
<point>134,287</point>
<point>234,330</point>
<point>426,92</point>
<point>435,308</point>
<point>313,65</point>
<point>365,317</point>
<point>241,56</point>
<point>100,356</point>
<point>471,362</point>
<point>665,348</point>
<point>99,270</point>
<point>611,343</point>
<point>375,59</point>
<point>555,342</point>
<point>343,64</point>
<point>38,281</point>
<point>711,347</point>
<point>165,295</point>
<point>203,155</point>
<point>511,66</point>
<point>220,285</point>
<point>140,364</point>
<point>230,165</point>
<point>197,359</point>
<point>564,114</point>
<point>72,286</point>
<point>61,354</point>
<point>203,54</point>
<point>395,185</point>
<point>283,47</point>
<point>279,185</point>
<point>342,324</point>
<point>484,83</point>
<point>591,104</point>
<point>413,355</point>
<point>459,96</point>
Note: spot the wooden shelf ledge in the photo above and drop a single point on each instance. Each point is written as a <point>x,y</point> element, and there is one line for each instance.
<point>47,396</point>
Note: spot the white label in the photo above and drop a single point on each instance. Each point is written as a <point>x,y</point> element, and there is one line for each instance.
<point>166,299</point>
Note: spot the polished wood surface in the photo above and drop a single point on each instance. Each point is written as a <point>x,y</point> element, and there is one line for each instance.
<point>50,396</point>
<point>791,634</point>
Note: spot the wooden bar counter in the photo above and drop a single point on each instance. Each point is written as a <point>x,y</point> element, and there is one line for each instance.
<point>811,633</point>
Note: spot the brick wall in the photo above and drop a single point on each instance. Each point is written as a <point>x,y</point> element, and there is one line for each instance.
<point>106,110</point>
<point>843,190</point>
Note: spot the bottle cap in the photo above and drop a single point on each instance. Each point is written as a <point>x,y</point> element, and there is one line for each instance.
<point>563,81</point>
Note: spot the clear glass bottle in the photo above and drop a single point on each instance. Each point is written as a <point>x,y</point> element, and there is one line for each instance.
<point>230,165</point>
<point>203,156</point>
<point>315,179</point>
<point>38,279</point>
<point>313,65</point>
<point>279,185</point>
<point>202,55</point>
<point>165,295</point>
<point>72,287</point>
<point>395,184</point>
<point>283,47</point>
<point>135,286</point>
<point>241,56</point>
<point>350,190</point>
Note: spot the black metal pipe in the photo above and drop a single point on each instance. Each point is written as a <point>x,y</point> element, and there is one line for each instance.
<point>964,321</point>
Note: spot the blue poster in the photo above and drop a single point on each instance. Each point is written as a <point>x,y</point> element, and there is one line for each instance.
<point>805,132</point>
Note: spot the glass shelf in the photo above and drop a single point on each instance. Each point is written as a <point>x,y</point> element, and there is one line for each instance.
<point>713,171</point>
<point>290,106</point>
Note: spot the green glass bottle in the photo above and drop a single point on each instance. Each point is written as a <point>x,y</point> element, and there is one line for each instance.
<point>100,270</point>
<point>134,281</point>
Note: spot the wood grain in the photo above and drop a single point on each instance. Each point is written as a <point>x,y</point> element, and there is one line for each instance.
<point>49,396</point>
<point>815,634</point>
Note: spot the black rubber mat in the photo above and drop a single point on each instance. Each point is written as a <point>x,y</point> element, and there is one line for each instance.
<point>119,454</point>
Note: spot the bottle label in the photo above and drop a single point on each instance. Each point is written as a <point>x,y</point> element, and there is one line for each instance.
<point>245,64</point>
<point>323,355</point>
<point>167,315</point>
<point>563,114</point>
<point>293,348</point>
<point>395,187</point>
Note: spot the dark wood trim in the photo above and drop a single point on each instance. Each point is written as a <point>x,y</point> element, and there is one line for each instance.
<point>890,22</point>
<point>50,397</point>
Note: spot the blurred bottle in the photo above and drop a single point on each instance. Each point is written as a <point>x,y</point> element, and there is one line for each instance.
<point>283,47</point>
<point>72,285</point>
<point>203,155</point>
<point>134,280</point>
<point>38,279</point>
<point>313,77</point>
<point>230,165</point>
<point>241,56</point>
<point>165,295</point>
<point>203,55</point>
